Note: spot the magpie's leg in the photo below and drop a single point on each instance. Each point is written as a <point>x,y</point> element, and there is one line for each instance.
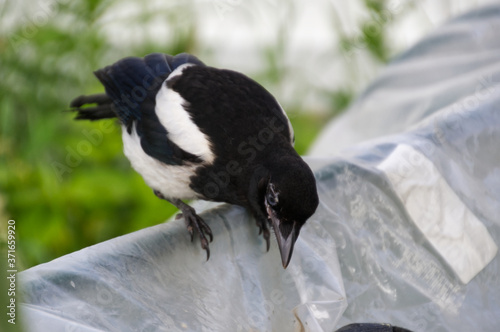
<point>264,230</point>
<point>193,221</point>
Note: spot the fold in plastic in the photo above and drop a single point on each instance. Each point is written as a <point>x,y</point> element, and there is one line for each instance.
<point>449,226</point>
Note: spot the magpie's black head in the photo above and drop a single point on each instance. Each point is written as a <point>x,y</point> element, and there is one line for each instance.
<point>290,199</point>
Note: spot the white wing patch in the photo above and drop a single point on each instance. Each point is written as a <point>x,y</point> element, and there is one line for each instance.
<point>171,180</point>
<point>180,127</point>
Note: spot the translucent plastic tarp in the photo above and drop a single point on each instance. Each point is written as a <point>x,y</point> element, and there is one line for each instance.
<point>407,230</point>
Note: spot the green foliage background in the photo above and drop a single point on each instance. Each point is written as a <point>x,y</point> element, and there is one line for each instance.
<point>97,196</point>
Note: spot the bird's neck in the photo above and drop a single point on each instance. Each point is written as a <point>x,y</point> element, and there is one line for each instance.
<point>281,161</point>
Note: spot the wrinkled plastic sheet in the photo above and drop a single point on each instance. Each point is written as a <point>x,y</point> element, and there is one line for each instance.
<point>157,280</point>
<point>406,233</point>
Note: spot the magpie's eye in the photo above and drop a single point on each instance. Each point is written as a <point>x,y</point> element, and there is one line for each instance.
<point>272,199</point>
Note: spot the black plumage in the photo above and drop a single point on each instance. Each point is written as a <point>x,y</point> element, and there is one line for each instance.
<point>248,157</point>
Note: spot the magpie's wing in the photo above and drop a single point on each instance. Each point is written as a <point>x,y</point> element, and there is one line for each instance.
<point>132,84</point>
<point>230,108</point>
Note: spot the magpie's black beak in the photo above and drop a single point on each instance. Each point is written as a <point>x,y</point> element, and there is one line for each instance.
<point>285,234</point>
<point>286,244</point>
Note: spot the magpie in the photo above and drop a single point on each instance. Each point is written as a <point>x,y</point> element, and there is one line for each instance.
<point>197,132</point>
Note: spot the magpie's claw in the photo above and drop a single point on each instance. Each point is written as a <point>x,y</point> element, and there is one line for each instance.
<point>264,230</point>
<point>267,236</point>
<point>207,230</point>
<point>193,221</point>
<point>191,232</point>
<point>204,245</point>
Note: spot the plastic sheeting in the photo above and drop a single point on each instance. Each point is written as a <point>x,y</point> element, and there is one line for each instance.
<point>406,233</point>
<point>157,280</point>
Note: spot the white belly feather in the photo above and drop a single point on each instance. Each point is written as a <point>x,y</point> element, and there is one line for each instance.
<point>171,180</point>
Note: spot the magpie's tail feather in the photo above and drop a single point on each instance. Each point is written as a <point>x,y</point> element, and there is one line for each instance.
<point>102,108</point>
